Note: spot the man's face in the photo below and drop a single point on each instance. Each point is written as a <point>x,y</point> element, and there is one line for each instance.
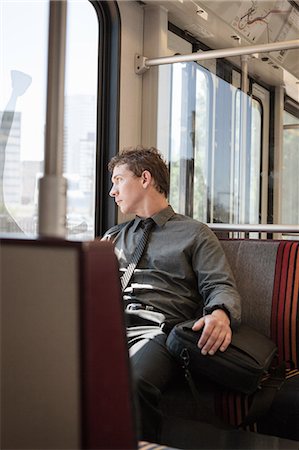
<point>127,190</point>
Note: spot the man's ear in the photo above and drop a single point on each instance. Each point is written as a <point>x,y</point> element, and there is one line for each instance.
<point>146,178</point>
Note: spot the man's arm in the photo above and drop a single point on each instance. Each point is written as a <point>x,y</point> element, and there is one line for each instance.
<point>216,283</point>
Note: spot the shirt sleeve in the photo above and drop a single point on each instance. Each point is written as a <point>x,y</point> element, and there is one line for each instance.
<point>216,282</point>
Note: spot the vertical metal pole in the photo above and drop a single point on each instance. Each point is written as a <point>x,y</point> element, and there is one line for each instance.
<point>53,186</point>
<point>244,67</point>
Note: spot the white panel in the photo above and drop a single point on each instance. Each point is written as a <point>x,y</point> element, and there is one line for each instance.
<point>131,83</point>
<point>155,44</point>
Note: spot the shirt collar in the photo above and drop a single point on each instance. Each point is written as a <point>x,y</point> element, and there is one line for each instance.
<point>160,218</point>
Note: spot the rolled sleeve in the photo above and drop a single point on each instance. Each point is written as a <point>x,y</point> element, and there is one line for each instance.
<point>216,282</point>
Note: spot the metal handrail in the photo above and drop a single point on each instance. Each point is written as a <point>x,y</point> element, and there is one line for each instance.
<point>254,228</point>
<point>143,63</point>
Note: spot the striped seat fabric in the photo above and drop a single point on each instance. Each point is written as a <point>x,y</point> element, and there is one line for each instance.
<point>284,330</point>
<point>284,319</point>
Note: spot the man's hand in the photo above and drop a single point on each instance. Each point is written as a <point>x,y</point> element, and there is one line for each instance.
<point>216,334</point>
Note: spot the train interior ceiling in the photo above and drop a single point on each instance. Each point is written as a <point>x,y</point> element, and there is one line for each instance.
<point>226,24</point>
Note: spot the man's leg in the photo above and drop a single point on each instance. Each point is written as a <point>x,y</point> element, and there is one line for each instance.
<point>152,367</point>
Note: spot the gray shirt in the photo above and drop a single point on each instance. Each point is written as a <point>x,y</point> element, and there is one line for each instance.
<point>183,271</point>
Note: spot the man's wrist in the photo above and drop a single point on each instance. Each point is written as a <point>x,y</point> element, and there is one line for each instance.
<point>217,308</point>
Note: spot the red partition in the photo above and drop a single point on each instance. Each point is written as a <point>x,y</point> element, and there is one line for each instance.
<point>107,391</point>
<point>65,375</point>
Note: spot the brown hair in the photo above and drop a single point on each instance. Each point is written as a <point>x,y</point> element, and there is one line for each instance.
<point>139,159</point>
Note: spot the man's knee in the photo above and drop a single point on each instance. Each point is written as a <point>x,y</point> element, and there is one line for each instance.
<point>145,390</point>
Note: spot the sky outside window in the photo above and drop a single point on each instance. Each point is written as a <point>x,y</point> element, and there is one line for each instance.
<point>23,77</point>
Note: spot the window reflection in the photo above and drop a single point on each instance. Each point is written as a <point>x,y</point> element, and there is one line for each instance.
<point>215,148</point>
<point>23,114</point>
<point>22,111</point>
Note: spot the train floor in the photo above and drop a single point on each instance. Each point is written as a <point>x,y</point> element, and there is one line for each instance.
<point>187,434</point>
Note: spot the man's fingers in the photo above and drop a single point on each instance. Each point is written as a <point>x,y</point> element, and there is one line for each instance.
<point>216,334</point>
<point>198,324</point>
<point>221,344</point>
<point>226,342</point>
<point>209,335</point>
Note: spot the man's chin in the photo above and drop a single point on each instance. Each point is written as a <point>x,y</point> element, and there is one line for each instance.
<point>125,210</point>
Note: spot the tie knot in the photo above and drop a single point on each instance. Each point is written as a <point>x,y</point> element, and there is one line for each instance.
<point>148,223</point>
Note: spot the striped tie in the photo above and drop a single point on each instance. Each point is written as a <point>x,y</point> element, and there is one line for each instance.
<point>148,225</point>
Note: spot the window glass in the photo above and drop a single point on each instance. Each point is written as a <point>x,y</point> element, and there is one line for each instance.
<point>222,151</point>
<point>255,163</point>
<point>201,153</point>
<point>24,37</point>
<point>175,135</point>
<point>23,72</point>
<point>189,139</point>
<point>215,148</point>
<point>80,117</point>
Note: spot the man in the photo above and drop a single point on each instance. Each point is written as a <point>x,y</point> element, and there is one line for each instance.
<point>182,274</point>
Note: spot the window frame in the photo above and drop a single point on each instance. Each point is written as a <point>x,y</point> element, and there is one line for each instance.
<point>108,110</point>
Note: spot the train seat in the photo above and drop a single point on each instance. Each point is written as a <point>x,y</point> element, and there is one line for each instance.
<point>267,276</point>
<point>65,382</point>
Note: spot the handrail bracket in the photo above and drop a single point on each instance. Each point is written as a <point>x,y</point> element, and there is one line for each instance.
<point>140,64</point>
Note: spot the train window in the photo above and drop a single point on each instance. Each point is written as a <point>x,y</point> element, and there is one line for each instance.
<point>80,117</point>
<point>189,139</point>
<point>290,170</point>
<point>23,111</point>
<point>255,162</point>
<point>215,162</point>
<point>203,100</point>
<point>247,159</point>
<point>24,39</point>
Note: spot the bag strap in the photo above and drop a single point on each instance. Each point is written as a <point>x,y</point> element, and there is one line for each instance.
<point>203,409</point>
<point>262,399</point>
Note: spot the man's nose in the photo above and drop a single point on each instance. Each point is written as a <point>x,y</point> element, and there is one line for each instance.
<point>113,191</point>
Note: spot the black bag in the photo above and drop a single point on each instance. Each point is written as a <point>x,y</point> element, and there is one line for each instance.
<point>240,367</point>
